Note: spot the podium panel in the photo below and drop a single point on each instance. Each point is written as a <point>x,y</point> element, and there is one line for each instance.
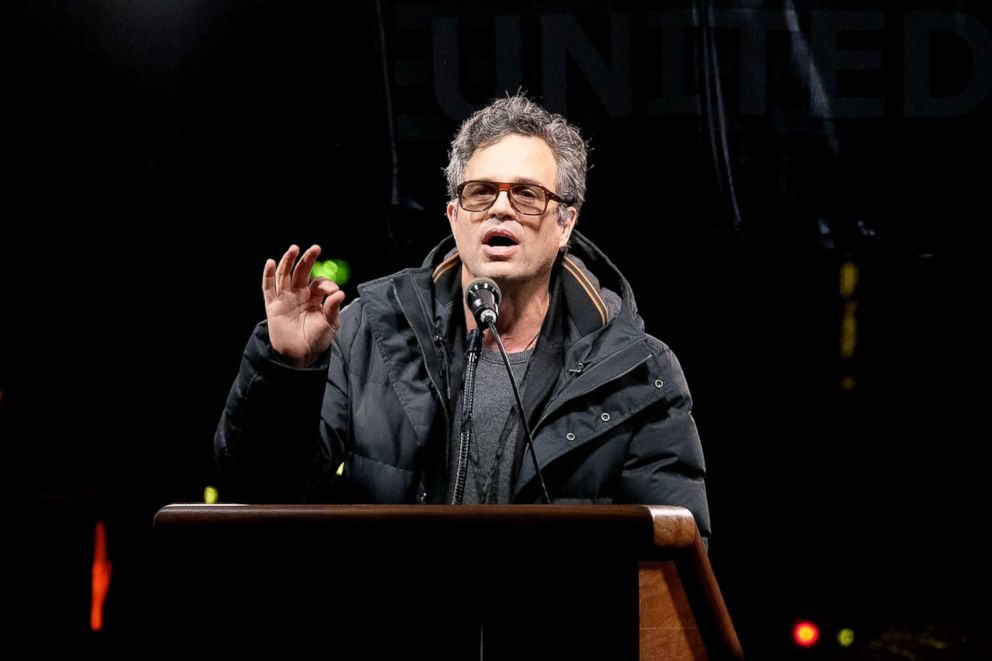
<point>438,582</point>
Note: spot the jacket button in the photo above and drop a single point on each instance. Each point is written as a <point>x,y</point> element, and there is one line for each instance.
<point>605,417</point>
<point>658,383</point>
<point>570,436</point>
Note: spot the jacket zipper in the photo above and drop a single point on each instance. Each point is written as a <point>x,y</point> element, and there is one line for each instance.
<point>439,342</point>
<point>422,491</point>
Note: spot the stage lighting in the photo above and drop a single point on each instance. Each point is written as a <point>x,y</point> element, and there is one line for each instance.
<point>806,634</point>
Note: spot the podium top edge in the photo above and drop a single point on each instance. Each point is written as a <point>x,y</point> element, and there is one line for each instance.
<point>670,526</point>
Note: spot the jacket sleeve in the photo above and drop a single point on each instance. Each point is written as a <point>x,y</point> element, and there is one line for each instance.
<point>664,463</point>
<point>267,439</point>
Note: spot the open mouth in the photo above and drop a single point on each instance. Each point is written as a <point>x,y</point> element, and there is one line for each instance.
<point>497,239</point>
<point>500,242</point>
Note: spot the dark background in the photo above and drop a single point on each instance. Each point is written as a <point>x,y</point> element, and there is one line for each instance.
<point>156,153</point>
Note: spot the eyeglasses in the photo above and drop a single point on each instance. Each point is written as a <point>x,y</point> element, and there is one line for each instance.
<point>528,199</point>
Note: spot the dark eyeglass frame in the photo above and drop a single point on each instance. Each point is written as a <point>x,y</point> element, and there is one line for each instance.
<point>508,187</point>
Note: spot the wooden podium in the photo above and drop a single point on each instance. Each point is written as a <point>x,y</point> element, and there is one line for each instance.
<point>608,582</point>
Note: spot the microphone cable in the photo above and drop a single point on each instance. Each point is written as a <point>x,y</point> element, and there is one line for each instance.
<point>468,403</point>
<point>520,407</point>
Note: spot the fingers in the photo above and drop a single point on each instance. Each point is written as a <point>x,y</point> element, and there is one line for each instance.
<point>277,278</point>
<point>326,286</point>
<point>331,307</point>
<point>333,297</point>
<point>284,272</point>
<point>301,274</point>
<point>269,280</point>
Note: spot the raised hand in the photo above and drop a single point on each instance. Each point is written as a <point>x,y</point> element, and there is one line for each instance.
<point>302,315</point>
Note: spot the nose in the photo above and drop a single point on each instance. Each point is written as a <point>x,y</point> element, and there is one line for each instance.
<point>502,207</point>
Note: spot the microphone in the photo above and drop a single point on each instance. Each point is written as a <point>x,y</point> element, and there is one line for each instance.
<point>482,296</point>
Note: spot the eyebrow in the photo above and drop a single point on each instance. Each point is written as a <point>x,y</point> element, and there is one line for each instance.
<point>525,180</point>
<point>513,180</point>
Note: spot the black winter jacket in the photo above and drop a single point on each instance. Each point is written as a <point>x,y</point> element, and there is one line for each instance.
<point>608,404</point>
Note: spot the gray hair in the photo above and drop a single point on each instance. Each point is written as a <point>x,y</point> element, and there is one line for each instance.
<point>519,115</point>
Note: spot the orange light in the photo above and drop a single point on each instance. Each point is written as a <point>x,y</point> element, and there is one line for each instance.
<point>806,634</point>
<point>101,576</point>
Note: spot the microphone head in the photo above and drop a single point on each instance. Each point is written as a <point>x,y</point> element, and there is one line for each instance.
<point>482,296</point>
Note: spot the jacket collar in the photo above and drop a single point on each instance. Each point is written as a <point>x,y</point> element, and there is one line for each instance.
<point>594,292</point>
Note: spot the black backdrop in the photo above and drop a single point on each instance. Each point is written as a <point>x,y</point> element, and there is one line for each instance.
<point>155,154</point>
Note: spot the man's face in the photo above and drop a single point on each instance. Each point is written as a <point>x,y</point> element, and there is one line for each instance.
<point>501,243</point>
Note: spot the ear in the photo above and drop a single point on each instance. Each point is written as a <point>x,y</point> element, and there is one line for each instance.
<point>567,227</point>
<point>452,213</point>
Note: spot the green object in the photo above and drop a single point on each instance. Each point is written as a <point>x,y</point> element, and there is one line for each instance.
<point>210,495</point>
<point>337,270</point>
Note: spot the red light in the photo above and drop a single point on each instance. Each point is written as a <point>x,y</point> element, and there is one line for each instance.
<point>806,634</point>
<point>101,576</point>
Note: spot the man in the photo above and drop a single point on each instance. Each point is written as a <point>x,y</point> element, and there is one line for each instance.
<point>364,403</point>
